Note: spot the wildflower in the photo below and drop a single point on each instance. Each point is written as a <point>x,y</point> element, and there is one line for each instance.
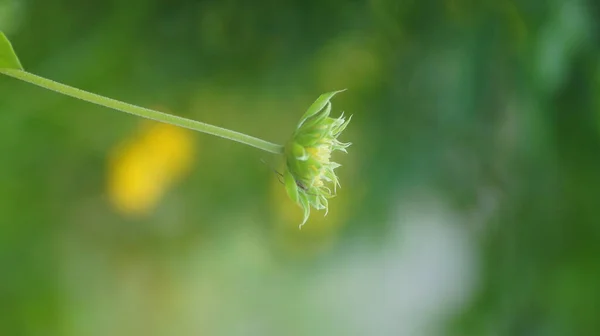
<point>309,171</point>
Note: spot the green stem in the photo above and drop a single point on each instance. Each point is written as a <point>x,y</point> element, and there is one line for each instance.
<point>143,112</point>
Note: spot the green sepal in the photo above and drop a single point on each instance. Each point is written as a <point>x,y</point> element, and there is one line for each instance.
<point>290,185</point>
<point>8,57</point>
<point>308,139</point>
<point>317,118</point>
<point>318,105</point>
<point>299,152</point>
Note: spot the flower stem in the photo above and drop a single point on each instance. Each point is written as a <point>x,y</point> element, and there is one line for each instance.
<point>143,112</point>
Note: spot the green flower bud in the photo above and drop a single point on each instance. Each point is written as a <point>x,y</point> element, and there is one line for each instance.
<point>309,172</point>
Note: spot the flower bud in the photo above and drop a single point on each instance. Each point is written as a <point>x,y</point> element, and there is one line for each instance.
<point>309,172</point>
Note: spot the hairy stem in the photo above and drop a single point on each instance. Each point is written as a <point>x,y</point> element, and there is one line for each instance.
<point>143,112</point>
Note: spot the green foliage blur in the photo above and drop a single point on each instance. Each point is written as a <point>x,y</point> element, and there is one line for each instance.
<point>470,200</point>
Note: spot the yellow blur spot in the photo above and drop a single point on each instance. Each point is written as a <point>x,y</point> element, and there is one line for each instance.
<point>144,167</point>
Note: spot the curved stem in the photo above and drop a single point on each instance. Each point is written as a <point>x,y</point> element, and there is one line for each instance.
<point>143,112</point>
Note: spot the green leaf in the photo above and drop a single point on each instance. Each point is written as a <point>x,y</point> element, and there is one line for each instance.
<point>290,186</point>
<point>318,105</point>
<point>8,58</point>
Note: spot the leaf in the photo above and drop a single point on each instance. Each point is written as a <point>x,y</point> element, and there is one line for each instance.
<point>290,185</point>
<point>8,58</point>
<point>318,105</point>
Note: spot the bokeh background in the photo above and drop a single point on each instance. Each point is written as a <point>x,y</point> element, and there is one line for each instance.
<point>470,200</point>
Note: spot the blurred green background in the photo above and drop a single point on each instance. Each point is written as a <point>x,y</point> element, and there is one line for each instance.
<point>470,200</point>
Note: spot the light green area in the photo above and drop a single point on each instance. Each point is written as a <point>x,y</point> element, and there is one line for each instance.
<point>8,58</point>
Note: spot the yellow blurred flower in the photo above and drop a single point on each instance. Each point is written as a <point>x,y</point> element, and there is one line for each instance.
<point>144,167</point>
